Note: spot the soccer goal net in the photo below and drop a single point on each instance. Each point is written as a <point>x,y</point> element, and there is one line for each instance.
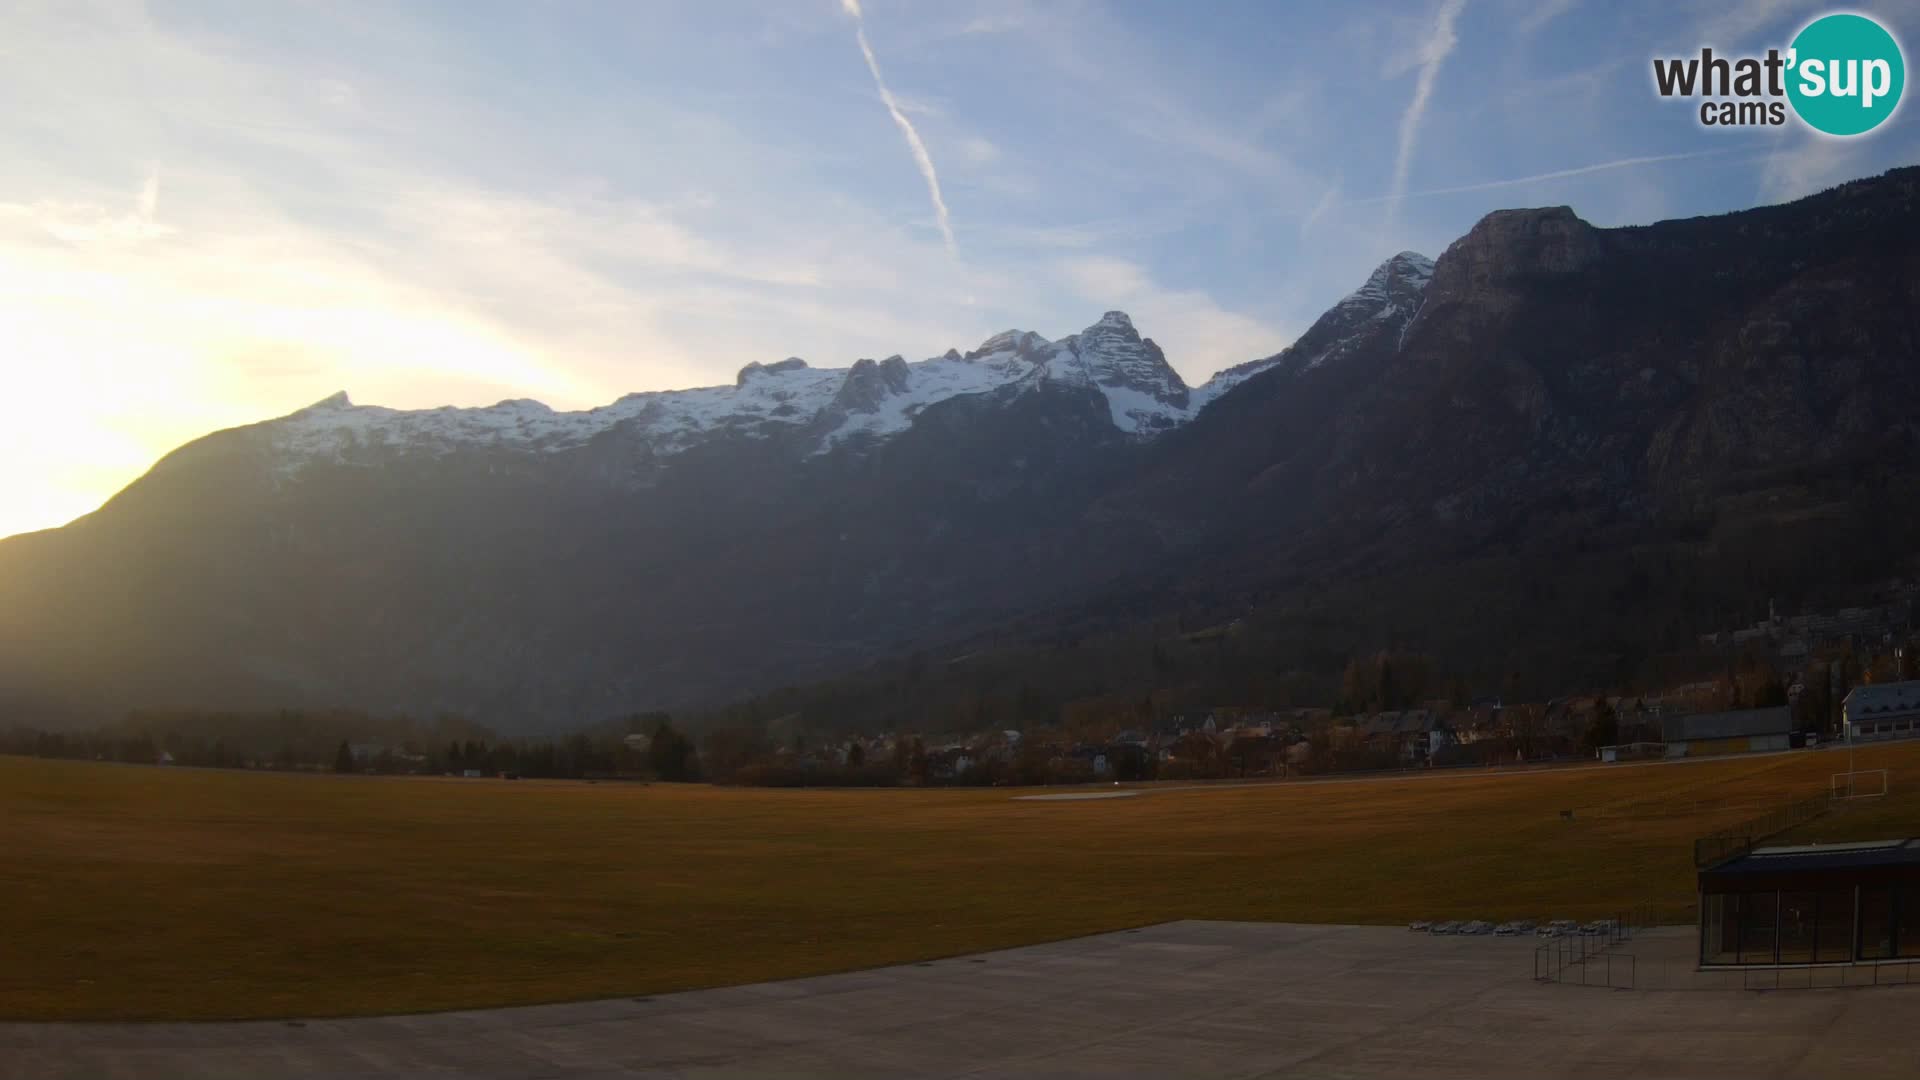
<point>1862,784</point>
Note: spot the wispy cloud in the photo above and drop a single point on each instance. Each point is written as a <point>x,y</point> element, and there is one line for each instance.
<point>920,156</point>
<point>1200,337</point>
<point>1540,14</point>
<point>1536,178</point>
<point>979,151</point>
<point>1439,45</point>
<point>1732,24</point>
<point>1002,23</point>
<point>1327,201</point>
<point>91,225</point>
<point>1801,164</point>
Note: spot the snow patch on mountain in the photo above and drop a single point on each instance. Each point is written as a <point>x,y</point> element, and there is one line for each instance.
<point>869,400</point>
<point>1001,360</point>
<point>1143,392</point>
<point>1394,288</point>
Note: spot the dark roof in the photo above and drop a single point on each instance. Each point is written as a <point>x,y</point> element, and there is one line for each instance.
<point>1727,725</point>
<point>1776,867</point>
<point>1381,723</point>
<point>1882,699</point>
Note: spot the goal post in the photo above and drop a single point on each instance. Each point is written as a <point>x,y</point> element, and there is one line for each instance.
<point>1858,784</point>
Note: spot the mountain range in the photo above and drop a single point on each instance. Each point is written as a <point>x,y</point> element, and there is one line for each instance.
<point>1555,440</point>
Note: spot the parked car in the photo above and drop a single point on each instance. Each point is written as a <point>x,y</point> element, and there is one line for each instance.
<point>1477,926</point>
<point>1448,927</point>
<point>1420,926</point>
<point>1523,926</point>
<point>1505,929</point>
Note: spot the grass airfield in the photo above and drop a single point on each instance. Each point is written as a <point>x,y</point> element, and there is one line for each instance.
<point>147,893</point>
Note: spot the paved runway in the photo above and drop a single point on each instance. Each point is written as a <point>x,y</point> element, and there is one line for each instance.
<point>1182,999</point>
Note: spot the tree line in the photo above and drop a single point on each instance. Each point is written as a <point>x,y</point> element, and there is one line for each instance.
<point>347,741</point>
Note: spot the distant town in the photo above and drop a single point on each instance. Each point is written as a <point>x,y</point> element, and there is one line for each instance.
<point>1789,681</point>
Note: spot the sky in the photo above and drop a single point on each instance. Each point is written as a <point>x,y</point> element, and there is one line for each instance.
<point>213,213</point>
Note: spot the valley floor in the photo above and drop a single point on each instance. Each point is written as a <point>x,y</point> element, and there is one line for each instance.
<point>137,893</point>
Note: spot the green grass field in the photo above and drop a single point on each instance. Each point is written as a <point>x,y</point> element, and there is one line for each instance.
<point>154,893</point>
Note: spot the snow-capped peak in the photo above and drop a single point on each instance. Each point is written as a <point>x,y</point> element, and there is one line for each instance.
<point>1392,291</point>
<point>1390,283</point>
<point>1009,342</point>
<point>871,399</point>
<point>1142,390</point>
<point>791,363</point>
<point>331,403</point>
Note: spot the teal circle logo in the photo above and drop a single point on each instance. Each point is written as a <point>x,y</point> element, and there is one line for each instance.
<point>1846,74</point>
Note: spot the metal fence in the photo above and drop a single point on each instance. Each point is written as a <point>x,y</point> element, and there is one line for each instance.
<point>1588,958</point>
<point>1583,959</point>
<point>1739,839</point>
<point>1629,971</point>
<point>1612,960</point>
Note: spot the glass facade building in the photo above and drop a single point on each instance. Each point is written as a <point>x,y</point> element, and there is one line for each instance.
<point>1825,904</point>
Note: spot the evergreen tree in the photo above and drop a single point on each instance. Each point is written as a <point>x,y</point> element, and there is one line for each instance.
<point>343,759</point>
<point>671,754</point>
<point>1604,728</point>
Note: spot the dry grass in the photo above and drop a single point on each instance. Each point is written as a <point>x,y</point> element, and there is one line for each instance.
<point>1881,818</point>
<point>151,893</point>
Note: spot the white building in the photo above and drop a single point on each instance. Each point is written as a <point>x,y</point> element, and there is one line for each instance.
<point>1884,711</point>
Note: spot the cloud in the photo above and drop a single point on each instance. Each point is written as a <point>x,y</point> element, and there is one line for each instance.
<point>1438,46</point>
<point>1734,24</point>
<point>1537,178</point>
<point>1540,14</point>
<point>978,151</point>
<point>1327,201</point>
<point>1802,164</point>
<point>1198,336</point>
<point>282,252</point>
<point>149,200</point>
<point>1002,23</point>
<point>920,156</point>
<point>88,225</point>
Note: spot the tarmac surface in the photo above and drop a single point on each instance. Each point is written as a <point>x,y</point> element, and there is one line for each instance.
<point>1181,999</point>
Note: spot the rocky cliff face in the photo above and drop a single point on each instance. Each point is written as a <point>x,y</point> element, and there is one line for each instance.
<point>1145,393</point>
<point>1382,308</point>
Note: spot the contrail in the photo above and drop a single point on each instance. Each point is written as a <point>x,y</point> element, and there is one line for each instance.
<point>1328,200</point>
<point>1439,47</point>
<point>920,155</point>
<point>1557,174</point>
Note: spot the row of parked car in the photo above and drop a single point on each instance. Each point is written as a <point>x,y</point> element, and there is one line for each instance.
<point>1551,928</point>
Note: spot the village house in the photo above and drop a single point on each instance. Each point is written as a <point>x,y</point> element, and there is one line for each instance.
<point>1883,711</point>
<point>1253,750</point>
